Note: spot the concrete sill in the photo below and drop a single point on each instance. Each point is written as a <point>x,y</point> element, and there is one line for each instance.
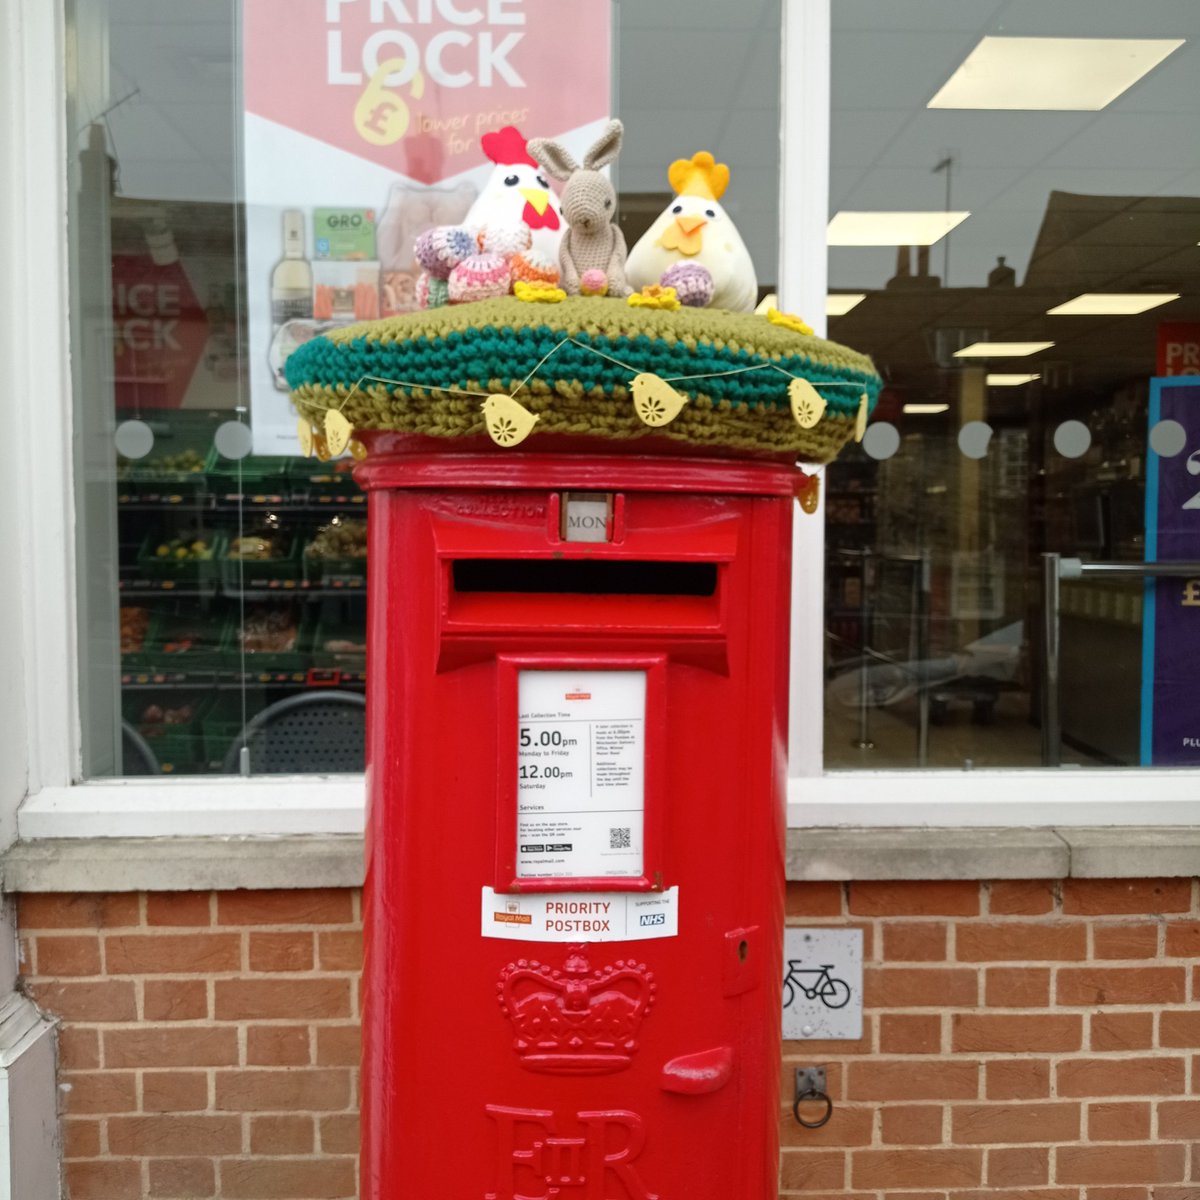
<point>200,863</point>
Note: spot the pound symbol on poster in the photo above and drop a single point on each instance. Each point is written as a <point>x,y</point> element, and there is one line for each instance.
<point>381,116</point>
<point>1191,594</point>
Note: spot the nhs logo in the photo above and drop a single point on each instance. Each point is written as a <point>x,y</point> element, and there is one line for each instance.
<point>655,918</point>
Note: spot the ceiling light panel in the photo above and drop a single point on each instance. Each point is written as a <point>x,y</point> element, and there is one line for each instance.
<point>891,228</point>
<point>1111,304</point>
<point>925,409</point>
<point>1001,349</point>
<point>1064,74</point>
<point>838,304</point>
<point>1010,380</point>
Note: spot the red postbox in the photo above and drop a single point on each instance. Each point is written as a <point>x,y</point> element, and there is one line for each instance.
<point>574,896</point>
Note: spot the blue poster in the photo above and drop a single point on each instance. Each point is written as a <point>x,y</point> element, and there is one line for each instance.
<point>1171,616</point>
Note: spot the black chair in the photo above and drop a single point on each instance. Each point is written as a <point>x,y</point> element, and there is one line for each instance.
<point>313,733</point>
<point>136,756</point>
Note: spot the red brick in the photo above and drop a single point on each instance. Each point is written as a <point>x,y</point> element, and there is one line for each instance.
<point>1118,1193</point>
<point>1179,1119</point>
<point>946,1079</point>
<point>282,1135</point>
<point>182,1178</point>
<point>804,1170</point>
<point>853,1127</point>
<point>1179,1028</point>
<point>1183,939</point>
<point>164,1136</point>
<point>1125,941</point>
<point>78,1049</point>
<point>288,1179</point>
<point>1120,1164</point>
<point>1122,1077</point>
<point>914,941</point>
<point>290,999</point>
<point>903,1034</point>
<point>1120,1031</point>
<point>172,953</point>
<point>912,1124</point>
<point>100,1092</point>
<point>81,1137</point>
<point>1121,985</point>
<point>1049,1193</point>
<point>340,949</point>
<point>1135,897</point>
<point>814,899</point>
<point>920,987</point>
<point>339,1046</point>
<point>985,1124</point>
<point>1017,987</point>
<point>339,1133</point>
<point>291,951</point>
<point>916,1168</point>
<point>316,906</point>
<point>1021,897</point>
<point>104,1001</point>
<point>940,898</point>
<point>67,955</point>
<point>1023,1034</point>
<point>292,1090</point>
<point>278,1046</point>
<point>77,910</point>
<point>1018,1079</point>
<point>1118,1123</point>
<point>172,1046</point>
<point>1020,941</point>
<point>102,1180</point>
<point>175,1000</point>
<point>174,1091</point>
<point>1018,1167</point>
<point>193,909</point>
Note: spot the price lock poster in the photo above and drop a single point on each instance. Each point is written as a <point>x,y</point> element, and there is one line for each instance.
<point>363,127</point>
<point>1171,612</point>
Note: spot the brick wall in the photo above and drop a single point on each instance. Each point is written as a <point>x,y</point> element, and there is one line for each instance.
<point>1023,1041</point>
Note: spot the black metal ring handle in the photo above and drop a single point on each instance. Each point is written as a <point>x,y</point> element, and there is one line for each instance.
<point>812,1094</point>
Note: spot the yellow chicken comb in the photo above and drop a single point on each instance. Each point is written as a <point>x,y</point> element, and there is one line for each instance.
<point>655,400</point>
<point>700,175</point>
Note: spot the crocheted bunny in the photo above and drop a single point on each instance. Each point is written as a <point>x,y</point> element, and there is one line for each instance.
<point>592,241</point>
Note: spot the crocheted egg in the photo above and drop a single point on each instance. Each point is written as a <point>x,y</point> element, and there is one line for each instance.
<point>480,277</point>
<point>692,283</point>
<point>593,283</point>
<point>430,292</point>
<point>533,267</point>
<point>504,239</point>
<point>440,249</point>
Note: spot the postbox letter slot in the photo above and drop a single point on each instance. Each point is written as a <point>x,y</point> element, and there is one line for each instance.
<point>588,577</point>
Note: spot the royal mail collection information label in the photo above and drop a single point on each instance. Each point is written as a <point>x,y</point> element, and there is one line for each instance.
<point>581,759</point>
<point>580,916</point>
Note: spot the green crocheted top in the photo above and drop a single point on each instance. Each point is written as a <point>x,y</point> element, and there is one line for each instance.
<point>572,364</point>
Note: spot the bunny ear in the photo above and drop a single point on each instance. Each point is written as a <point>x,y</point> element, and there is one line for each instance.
<point>554,156</point>
<point>606,147</point>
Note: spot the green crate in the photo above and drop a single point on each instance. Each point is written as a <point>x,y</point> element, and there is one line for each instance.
<point>261,574</point>
<point>176,466</point>
<point>139,659</point>
<point>331,629</point>
<point>349,572</point>
<point>185,643</point>
<point>293,662</point>
<point>178,746</point>
<point>185,571</point>
<point>331,481</point>
<point>260,478</point>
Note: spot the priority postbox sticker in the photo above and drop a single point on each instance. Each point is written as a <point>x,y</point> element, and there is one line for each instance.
<point>580,916</point>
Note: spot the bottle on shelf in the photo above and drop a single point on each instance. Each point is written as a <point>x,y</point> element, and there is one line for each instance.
<point>292,280</point>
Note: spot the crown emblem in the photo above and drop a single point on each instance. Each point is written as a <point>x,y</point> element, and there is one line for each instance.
<point>575,1021</point>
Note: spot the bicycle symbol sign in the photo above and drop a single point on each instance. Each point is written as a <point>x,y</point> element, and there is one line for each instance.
<point>822,983</point>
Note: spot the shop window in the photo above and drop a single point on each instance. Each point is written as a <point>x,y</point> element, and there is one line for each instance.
<point>1014,217</point>
<point>219,216</point>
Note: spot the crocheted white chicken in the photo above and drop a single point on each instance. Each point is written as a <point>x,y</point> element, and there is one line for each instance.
<point>517,195</point>
<point>694,236</point>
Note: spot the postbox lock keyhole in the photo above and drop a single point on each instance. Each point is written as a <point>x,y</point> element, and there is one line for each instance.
<point>743,949</point>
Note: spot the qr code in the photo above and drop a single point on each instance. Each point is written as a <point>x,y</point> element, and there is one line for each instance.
<point>619,839</point>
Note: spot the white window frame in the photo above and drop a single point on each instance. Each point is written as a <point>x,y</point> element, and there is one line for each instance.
<point>34,358</point>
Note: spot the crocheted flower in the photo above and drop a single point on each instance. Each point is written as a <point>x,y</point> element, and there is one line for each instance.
<point>788,321</point>
<point>538,293</point>
<point>593,283</point>
<point>653,296</point>
<point>692,282</point>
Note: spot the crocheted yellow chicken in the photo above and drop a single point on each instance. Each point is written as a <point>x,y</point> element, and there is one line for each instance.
<point>693,246</point>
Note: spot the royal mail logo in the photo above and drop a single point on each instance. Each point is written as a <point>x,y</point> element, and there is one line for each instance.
<point>578,696</point>
<point>513,918</point>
